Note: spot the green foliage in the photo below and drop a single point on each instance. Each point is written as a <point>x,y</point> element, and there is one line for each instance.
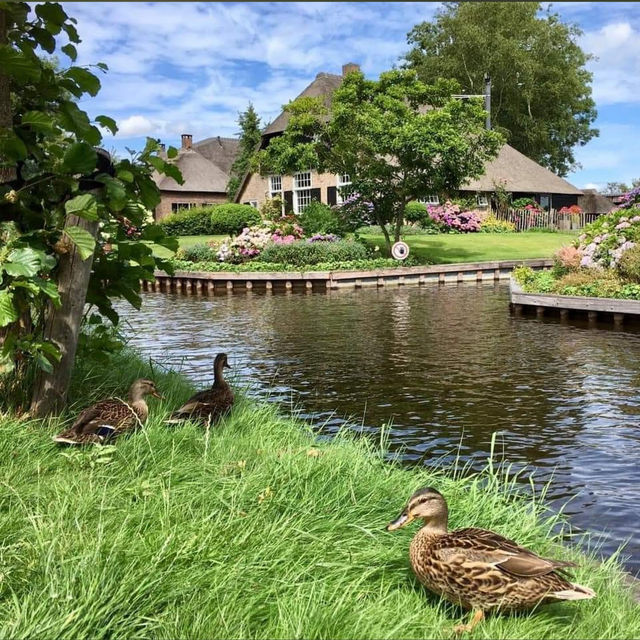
<point>380,135</point>
<point>303,253</point>
<point>232,218</point>
<point>491,224</point>
<point>50,148</point>
<point>261,267</point>
<point>320,218</point>
<point>188,222</point>
<point>415,211</point>
<point>629,265</point>
<point>521,203</point>
<point>250,135</point>
<point>272,208</point>
<point>541,88</point>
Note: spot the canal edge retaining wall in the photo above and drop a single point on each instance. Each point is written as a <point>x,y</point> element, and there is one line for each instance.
<point>205,282</point>
<point>594,308</point>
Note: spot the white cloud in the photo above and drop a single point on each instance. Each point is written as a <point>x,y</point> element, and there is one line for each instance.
<point>616,71</point>
<point>137,125</point>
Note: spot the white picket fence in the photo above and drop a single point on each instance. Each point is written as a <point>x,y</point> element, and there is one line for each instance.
<point>525,220</point>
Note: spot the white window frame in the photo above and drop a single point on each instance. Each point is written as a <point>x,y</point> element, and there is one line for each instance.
<point>302,186</point>
<point>342,180</point>
<point>176,206</point>
<point>430,199</point>
<point>482,200</point>
<point>274,190</point>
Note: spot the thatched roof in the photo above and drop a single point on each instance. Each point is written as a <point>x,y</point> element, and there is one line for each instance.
<point>220,151</point>
<point>519,174</point>
<point>593,202</point>
<point>199,174</point>
<point>323,86</point>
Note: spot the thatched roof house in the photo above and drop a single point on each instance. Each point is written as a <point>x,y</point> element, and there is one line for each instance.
<point>205,168</point>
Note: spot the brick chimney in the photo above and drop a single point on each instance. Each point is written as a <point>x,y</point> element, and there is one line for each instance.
<point>350,67</point>
<point>187,139</point>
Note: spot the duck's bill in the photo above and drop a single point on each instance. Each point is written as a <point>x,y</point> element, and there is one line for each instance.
<point>227,365</point>
<point>403,519</point>
<point>155,394</point>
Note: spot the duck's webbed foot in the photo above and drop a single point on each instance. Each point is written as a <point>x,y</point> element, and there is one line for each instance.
<point>478,616</point>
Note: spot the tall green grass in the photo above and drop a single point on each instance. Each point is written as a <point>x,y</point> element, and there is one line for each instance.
<point>252,529</point>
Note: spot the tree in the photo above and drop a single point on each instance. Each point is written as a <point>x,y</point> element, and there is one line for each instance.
<point>73,225</point>
<point>541,91</point>
<point>383,135</point>
<point>621,187</point>
<point>250,135</point>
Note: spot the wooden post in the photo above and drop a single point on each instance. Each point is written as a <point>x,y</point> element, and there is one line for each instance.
<point>210,287</point>
<point>63,325</point>
<point>593,316</point>
<point>229,285</point>
<point>564,315</point>
<point>618,319</point>
<point>309,284</point>
<point>268,285</point>
<point>441,279</point>
<point>288,286</point>
<point>540,312</point>
<point>249,285</point>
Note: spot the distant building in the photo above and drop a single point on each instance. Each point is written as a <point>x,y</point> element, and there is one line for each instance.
<point>593,202</point>
<point>520,175</point>
<point>205,167</point>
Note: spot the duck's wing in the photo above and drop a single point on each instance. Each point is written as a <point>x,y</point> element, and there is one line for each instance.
<point>99,422</point>
<point>210,404</point>
<point>494,550</point>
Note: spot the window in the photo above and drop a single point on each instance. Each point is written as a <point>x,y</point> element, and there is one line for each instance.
<point>301,191</point>
<point>430,199</point>
<point>482,200</point>
<point>545,202</point>
<point>342,181</point>
<point>275,185</point>
<point>176,206</point>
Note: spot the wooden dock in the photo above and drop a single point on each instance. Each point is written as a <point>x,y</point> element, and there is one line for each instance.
<point>208,283</point>
<point>610,309</point>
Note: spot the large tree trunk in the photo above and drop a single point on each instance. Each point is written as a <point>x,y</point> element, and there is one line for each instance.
<point>7,174</point>
<point>63,326</point>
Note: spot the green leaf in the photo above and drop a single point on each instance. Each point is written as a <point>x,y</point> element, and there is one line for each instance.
<point>49,288</point>
<point>84,206</point>
<point>24,262</point>
<point>84,79</point>
<point>70,51</point>
<point>77,121</point>
<point>18,65</point>
<point>107,123</point>
<point>172,152</point>
<point>72,32</point>
<point>51,12</point>
<point>39,121</point>
<point>167,168</point>
<point>116,193</point>
<point>125,176</point>
<point>12,148</point>
<point>83,240</point>
<point>8,313</point>
<point>43,38</point>
<point>103,66</point>
<point>43,362</point>
<point>80,157</point>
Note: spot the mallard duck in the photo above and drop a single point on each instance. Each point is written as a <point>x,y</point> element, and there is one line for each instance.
<point>209,405</point>
<point>477,569</point>
<point>108,418</point>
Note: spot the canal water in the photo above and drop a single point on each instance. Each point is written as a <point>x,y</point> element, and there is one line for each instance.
<point>444,368</point>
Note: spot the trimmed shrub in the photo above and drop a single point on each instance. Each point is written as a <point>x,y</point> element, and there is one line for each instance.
<point>233,218</point>
<point>629,265</point>
<point>301,252</point>
<point>200,252</point>
<point>415,212</point>
<point>189,222</point>
<point>320,218</point>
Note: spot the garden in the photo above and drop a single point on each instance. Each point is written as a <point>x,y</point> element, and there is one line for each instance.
<point>603,262</point>
<point>235,237</point>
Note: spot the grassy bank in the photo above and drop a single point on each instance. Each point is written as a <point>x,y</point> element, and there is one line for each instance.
<point>252,530</point>
<point>480,247</point>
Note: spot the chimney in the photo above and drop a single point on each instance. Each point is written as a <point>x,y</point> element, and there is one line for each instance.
<point>350,67</point>
<point>187,138</point>
<point>219,141</point>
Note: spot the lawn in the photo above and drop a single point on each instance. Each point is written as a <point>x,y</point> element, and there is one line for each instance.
<point>480,247</point>
<point>188,241</point>
<point>251,530</point>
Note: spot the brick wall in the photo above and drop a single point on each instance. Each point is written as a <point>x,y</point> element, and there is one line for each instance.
<point>167,198</point>
<point>257,187</point>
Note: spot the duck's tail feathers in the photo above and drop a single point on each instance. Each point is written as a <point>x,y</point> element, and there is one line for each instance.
<point>577,592</point>
<point>66,438</point>
<point>176,418</point>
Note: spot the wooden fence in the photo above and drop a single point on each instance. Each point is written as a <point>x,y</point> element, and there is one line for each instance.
<point>525,220</point>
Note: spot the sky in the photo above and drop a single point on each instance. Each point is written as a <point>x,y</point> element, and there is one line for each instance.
<point>191,67</point>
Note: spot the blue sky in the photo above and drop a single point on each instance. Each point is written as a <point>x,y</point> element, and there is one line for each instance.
<point>191,67</point>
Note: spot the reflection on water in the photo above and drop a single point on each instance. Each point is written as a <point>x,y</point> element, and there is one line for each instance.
<point>447,367</point>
